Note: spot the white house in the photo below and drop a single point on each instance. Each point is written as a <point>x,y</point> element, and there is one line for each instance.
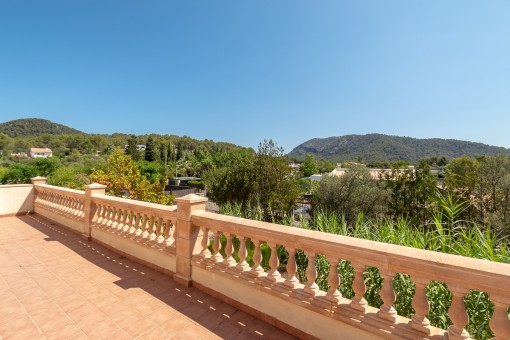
<point>40,152</point>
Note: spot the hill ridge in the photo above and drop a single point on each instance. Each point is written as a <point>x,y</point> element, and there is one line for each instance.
<point>35,127</point>
<point>377,147</point>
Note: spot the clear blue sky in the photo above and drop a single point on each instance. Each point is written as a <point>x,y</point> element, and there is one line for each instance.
<point>245,71</point>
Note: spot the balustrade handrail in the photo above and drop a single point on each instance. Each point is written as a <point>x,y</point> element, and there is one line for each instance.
<point>461,272</point>
<point>160,210</point>
<point>78,194</point>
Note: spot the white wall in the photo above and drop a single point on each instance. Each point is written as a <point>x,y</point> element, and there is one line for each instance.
<point>16,199</point>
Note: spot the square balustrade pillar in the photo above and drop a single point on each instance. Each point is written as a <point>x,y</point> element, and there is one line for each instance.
<point>187,236</point>
<point>89,208</point>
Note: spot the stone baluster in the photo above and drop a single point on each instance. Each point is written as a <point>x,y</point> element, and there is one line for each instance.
<point>169,237</point>
<point>152,227</point>
<point>387,311</point>
<point>229,250</point>
<point>358,301</point>
<point>139,224</point>
<point>291,281</point>
<point>257,269</point>
<point>120,220</point>
<point>421,307</point>
<point>159,231</point>
<point>73,208</point>
<point>143,227</point>
<point>216,256</point>
<point>242,265</point>
<point>333,294</point>
<point>134,223</point>
<point>127,222</point>
<point>204,244</point>
<point>108,220</point>
<point>458,314</point>
<point>56,203</point>
<point>500,325</point>
<point>115,218</point>
<point>100,214</point>
<point>273,275</point>
<point>66,207</point>
<point>77,206</point>
<point>311,287</point>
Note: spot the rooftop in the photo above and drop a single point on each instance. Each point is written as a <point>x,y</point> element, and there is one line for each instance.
<point>56,285</point>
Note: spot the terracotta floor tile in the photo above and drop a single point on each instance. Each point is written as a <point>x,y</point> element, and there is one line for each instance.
<point>38,304</point>
<point>175,324</point>
<point>13,316</point>
<point>192,331</point>
<point>97,325</point>
<point>144,303</point>
<point>122,314</point>
<point>22,328</point>
<point>64,332</point>
<point>82,310</point>
<point>118,335</point>
<point>227,331</point>
<point>210,336</point>
<point>139,327</point>
<point>155,333</point>
<point>162,314</point>
<point>52,319</point>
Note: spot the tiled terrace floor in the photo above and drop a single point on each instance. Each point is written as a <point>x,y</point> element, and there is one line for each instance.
<point>54,285</point>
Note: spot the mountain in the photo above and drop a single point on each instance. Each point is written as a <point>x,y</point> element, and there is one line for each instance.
<point>384,148</point>
<point>35,127</point>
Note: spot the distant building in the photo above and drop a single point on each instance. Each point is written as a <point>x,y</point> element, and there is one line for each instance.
<point>40,152</point>
<point>374,173</point>
<point>139,147</point>
<point>19,154</point>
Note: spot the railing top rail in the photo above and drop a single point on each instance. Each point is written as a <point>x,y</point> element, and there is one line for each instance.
<point>59,190</point>
<point>462,272</point>
<point>169,212</point>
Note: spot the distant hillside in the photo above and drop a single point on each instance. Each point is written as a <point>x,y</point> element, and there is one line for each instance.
<point>384,148</point>
<point>35,127</point>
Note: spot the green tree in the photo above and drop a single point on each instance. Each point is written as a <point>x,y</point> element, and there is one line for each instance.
<point>309,166</point>
<point>276,188</point>
<point>461,175</point>
<point>349,195</point>
<point>231,178</point>
<point>4,142</point>
<point>264,179</point>
<point>151,154</point>
<point>19,173</point>
<point>132,148</point>
<point>46,166</point>
<point>412,191</point>
<point>492,171</point>
<point>124,179</point>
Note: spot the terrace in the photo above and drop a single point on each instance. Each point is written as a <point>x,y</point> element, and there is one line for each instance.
<point>81,264</point>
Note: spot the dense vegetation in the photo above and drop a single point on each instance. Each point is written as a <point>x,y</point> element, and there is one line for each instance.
<point>35,127</point>
<point>382,149</point>
<point>263,178</point>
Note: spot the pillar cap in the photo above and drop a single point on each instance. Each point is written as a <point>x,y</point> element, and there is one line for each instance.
<point>191,198</point>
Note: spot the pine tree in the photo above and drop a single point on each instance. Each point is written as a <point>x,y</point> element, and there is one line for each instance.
<point>132,148</point>
<point>151,154</point>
